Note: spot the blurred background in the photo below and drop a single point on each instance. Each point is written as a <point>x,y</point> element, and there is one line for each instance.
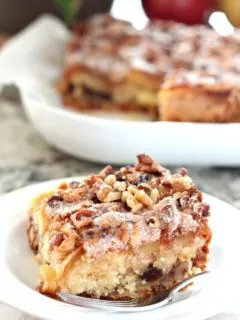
<point>25,158</point>
<point>223,14</point>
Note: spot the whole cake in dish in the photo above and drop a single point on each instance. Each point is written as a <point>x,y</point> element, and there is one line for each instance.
<point>120,234</point>
<point>168,71</point>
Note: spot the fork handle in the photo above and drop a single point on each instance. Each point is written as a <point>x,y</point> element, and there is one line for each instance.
<point>186,282</point>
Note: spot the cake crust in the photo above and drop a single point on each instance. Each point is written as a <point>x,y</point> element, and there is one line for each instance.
<point>120,234</point>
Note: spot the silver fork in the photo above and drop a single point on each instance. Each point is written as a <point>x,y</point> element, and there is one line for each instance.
<point>135,305</point>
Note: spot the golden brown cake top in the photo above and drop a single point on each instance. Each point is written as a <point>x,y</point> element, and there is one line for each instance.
<point>113,48</point>
<point>115,210</point>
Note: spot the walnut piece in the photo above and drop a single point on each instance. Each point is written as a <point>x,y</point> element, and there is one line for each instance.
<point>143,198</point>
<point>113,196</point>
<point>146,164</point>
<point>120,185</point>
<point>56,240</point>
<point>106,171</point>
<point>154,195</point>
<point>110,179</point>
<point>134,204</point>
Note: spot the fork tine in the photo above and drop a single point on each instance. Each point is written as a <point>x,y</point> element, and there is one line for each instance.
<point>110,302</point>
<point>93,301</point>
<point>141,304</point>
<point>115,303</point>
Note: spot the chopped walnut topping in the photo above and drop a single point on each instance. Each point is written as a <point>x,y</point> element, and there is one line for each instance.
<point>72,196</point>
<point>206,210</point>
<point>103,192</point>
<point>56,240</point>
<point>126,195</point>
<point>74,184</point>
<point>144,186</point>
<point>183,171</point>
<point>154,195</point>
<point>142,197</point>
<point>93,180</point>
<point>55,201</point>
<point>125,207</point>
<point>184,201</point>
<point>110,179</point>
<point>127,170</point>
<point>145,178</point>
<point>85,212</point>
<point>132,189</point>
<point>120,186</point>
<point>133,178</point>
<point>155,182</point>
<point>106,171</point>
<point>107,194</point>
<point>167,183</point>
<point>146,164</point>
<point>144,159</point>
<point>177,195</point>
<point>134,204</point>
<point>113,196</point>
<point>81,221</point>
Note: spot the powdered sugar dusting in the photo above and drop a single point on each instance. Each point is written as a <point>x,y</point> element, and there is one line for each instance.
<point>111,46</point>
<point>103,245</point>
<point>168,214</point>
<point>188,224</point>
<point>139,227</point>
<point>63,208</point>
<point>114,218</point>
<point>129,208</point>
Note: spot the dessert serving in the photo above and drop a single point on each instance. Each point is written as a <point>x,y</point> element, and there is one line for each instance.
<point>120,234</point>
<point>169,71</point>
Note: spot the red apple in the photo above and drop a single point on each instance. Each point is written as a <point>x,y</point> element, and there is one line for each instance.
<point>187,11</point>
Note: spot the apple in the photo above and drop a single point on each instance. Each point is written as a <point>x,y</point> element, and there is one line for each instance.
<point>187,11</point>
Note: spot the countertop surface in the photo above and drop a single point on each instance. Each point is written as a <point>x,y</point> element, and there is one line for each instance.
<point>25,158</point>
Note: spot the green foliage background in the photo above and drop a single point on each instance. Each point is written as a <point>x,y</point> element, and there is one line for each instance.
<point>70,9</point>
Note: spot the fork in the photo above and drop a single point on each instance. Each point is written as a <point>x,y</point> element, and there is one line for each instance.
<point>134,305</point>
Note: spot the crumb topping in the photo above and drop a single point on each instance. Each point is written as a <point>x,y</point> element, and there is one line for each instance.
<point>117,209</point>
<point>113,48</point>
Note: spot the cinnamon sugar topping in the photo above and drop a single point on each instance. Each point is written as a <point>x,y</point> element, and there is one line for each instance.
<point>117,209</point>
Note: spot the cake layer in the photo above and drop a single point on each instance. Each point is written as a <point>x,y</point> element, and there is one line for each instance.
<point>120,234</point>
<point>200,97</point>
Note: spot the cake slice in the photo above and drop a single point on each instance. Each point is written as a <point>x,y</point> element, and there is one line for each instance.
<point>200,96</point>
<point>106,68</point>
<point>120,234</point>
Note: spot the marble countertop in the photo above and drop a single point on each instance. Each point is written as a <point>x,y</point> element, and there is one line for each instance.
<point>25,158</point>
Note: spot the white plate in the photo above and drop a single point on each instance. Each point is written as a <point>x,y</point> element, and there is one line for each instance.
<point>33,60</point>
<point>19,271</point>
